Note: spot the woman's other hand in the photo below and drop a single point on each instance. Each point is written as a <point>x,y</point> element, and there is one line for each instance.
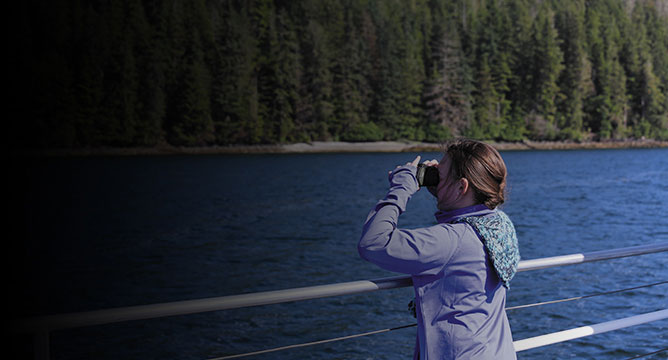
<point>413,163</point>
<point>404,176</point>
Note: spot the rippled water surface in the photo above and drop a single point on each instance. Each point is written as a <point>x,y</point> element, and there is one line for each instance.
<point>119,231</point>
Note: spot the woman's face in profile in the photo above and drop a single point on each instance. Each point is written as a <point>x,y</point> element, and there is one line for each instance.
<point>446,190</point>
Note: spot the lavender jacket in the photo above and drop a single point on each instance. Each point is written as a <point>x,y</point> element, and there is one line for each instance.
<point>460,300</point>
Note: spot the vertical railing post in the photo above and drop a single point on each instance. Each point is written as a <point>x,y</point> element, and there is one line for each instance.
<point>42,345</point>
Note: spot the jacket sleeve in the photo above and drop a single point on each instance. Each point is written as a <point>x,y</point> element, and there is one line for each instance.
<point>418,251</point>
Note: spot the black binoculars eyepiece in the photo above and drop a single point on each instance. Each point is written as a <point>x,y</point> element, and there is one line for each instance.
<point>427,175</point>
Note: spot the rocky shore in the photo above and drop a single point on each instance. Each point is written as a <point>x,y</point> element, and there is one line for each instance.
<point>341,147</point>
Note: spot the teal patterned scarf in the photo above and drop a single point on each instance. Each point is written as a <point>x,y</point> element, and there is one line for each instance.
<point>497,233</point>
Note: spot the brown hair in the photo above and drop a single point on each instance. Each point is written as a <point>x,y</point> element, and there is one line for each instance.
<point>482,166</point>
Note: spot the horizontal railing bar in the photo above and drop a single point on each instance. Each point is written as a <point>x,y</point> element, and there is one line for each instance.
<point>142,312</point>
<point>583,331</point>
<point>571,259</point>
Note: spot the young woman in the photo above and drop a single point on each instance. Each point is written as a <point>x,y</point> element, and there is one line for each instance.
<point>461,267</point>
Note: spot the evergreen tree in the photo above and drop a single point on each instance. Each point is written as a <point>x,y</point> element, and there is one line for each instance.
<point>607,108</point>
<point>352,89</point>
<point>486,124</point>
<point>120,80</point>
<point>502,73</point>
<point>517,43</point>
<point>569,21</point>
<point>397,104</point>
<point>446,97</point>
<point>411,74</point>
<point>150,46</point>
<point>490,59</point>
<point>547,65</point>
<point>285,62</point>
<point>234,86</point>
<point>263,15</point>
<point>189,119</point>
<point>315,108</point>
<point>89,78</point>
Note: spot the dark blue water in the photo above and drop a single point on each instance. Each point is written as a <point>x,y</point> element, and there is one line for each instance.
<point>120,231</point>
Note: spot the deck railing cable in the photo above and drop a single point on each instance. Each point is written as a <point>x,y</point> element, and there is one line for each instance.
<point>375,332</point>
<point>584,296</point>
<point>648,354</point>
<point>312,343</point>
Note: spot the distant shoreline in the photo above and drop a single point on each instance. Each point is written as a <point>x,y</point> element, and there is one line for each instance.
<point>342,147</point>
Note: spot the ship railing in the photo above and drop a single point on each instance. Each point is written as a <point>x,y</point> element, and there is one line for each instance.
<point>41,327</point>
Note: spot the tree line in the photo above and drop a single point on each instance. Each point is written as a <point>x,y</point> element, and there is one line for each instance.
<point>195,72</point>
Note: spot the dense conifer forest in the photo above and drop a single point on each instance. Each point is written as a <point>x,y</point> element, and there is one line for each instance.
<point>197,73</point>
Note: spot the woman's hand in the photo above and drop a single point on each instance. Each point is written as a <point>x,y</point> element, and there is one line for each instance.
<point>412,163</point>
<point>432,189</point>
<point>432,162</point>
<point>403,176</point>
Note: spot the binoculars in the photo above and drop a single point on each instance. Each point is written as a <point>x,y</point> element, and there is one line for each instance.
<point>427,175</point>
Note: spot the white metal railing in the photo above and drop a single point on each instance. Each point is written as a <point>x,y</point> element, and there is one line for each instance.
<point>576,333</point>
<point>41,326</point>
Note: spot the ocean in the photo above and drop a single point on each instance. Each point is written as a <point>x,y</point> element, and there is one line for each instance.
<point>104,232</point>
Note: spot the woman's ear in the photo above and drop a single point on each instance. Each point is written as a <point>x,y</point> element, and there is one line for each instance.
<point>463,186</point>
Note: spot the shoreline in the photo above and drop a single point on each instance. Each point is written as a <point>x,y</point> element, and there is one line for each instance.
<point>340,147</point>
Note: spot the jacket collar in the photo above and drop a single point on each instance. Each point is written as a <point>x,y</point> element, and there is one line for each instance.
<point>445,217</point>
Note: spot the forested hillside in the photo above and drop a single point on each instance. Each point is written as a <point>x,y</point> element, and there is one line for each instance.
<point>195,72</point>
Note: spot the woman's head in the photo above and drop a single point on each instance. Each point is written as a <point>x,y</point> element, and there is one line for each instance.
<point>481,167</point>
